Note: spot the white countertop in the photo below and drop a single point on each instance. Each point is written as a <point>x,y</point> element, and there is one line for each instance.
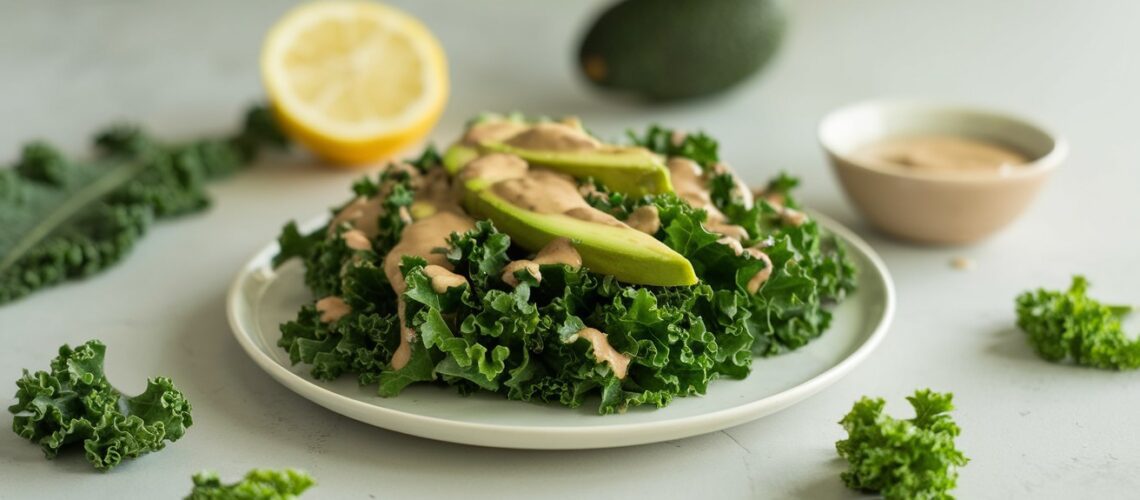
<point>1032,429</point>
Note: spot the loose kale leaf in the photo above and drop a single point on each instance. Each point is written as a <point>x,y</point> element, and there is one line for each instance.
<point>74,403</point>
<point>66,220</point>
<point>258,484</point>
<point>902,459</point>
<point>1071,325</point>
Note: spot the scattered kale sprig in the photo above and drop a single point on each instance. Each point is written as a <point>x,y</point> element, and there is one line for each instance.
<point>74,404</point>
<point>258,484</point>
<point>66,220</point>
<point>902,459</point>
<point>1070,325</point>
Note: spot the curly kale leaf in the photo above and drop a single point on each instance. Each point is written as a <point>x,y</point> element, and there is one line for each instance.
<point>325,258</point>
<point>702,149</point>
<point>74,403</point>
<point>522,341</point>
<point>258,484</point>
<point>66,220</point>
<point>902,459</point>
<point>363,341</point>
<point>697,146</point>
<point>1070,325</point>
<point>427,159</point>
<point>514,340</point>
<point>810,267</point>
<point>360,343</point>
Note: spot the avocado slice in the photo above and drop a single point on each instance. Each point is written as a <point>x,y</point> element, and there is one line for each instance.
<point>632,170</point>
<point>457,156</point>
<point>562,146</point>
<point>615,249</point>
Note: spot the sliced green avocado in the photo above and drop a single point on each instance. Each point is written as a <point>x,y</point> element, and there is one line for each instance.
<point>457,157</point>
<point>635,171</point>
<point>622,252</point>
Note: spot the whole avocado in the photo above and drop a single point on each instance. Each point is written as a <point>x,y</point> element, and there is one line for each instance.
<point>678,49</point>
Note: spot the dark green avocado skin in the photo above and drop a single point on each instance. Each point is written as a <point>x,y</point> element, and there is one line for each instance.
<point>669,50</point>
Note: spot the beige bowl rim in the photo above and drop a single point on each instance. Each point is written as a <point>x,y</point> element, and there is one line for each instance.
<point>836,122</point>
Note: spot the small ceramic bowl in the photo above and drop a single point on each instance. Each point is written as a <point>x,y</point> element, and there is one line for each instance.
<point>937,208</point>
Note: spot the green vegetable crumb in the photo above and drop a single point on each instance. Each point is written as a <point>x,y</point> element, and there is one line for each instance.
<point>914,458</point>
<point>258,484</point>
<point>1070,325</point>
<point>74,403</point>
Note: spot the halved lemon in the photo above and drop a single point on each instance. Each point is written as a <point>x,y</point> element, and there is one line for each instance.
<point>354,81</point>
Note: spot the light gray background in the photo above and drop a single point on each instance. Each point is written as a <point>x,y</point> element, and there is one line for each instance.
<point>1032,429</point>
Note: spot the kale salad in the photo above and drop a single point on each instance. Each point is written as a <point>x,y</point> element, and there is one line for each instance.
<point>535,261</point>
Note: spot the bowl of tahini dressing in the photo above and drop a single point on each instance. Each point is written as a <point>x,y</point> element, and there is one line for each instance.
<point>938,173</point>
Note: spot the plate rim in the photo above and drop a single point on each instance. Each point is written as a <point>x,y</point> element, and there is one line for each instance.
<point>560,437</point>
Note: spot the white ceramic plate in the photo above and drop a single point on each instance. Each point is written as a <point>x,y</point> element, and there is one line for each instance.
<point>262,298</point>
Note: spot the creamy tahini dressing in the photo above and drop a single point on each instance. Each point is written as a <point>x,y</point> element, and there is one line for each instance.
<point>547,192</point>
<point>732,243</point>
<point>553,136</point>
<point>730,230</point>
<point>941,153</point>
<point>442,279</point>
<point>419,239</point>
<point>690,184</point>
<point>603,351</point>
<point>761,276</point>
<point>363,214</point>
<point>492,131</point>
<point>645,219</point>
<point>356,240</point>
<point>558,251</point>
<point>494,168</point>
<point>774,198</point>
<point>792,217</point>
<point>332,308</point>
<point>514,266</point>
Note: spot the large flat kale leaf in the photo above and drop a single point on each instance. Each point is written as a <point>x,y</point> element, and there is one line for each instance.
<point>65,220</point>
